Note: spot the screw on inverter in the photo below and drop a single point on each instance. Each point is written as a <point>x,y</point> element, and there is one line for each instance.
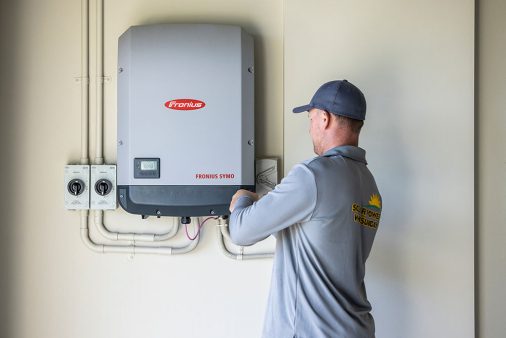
<point>186,220</point>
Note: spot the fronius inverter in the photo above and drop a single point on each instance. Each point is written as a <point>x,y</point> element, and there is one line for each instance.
<point>185,118</point>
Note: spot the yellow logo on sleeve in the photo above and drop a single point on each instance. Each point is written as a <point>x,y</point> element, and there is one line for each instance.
<point>375,201</point>
<point>369,215</point>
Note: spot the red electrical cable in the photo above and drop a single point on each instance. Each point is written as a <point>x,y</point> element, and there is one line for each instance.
<point>199,226</point>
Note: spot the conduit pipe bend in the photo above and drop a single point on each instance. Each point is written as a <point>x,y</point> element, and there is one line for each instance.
<point>132,237</point>
<point>130,249</point>
<point>224,248</point>
<point>223,234</point>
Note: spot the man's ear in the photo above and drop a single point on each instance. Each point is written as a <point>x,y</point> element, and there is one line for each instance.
<point>326,117</point>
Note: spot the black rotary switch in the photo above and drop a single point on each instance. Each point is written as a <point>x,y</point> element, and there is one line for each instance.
<point>103,187</point>
<point>76,187</point>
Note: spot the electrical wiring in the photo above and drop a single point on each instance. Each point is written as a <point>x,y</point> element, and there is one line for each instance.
<point>199,226</point>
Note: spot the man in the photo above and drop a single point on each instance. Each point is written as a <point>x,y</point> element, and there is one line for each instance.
<point>324,215</point>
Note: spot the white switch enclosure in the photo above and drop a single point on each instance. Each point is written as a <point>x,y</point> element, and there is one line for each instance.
<point>266,176</point>
<point>103,172</point>
<point>82,173</point>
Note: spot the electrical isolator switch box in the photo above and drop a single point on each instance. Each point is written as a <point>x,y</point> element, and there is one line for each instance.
<point>76,187</point>
<point>103,187</point>
<point>266,175</point>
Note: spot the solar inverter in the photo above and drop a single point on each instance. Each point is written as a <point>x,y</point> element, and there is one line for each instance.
<point>185,118</point>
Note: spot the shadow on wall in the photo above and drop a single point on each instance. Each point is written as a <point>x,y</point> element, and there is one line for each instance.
<point>9,11</point>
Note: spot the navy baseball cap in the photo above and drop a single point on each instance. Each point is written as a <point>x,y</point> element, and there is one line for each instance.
<point>338,97</point>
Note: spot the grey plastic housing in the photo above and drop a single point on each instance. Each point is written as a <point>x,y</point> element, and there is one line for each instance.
<point>204,154</point>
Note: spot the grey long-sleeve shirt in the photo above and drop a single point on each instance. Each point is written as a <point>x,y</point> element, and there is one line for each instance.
<point>324,215</point>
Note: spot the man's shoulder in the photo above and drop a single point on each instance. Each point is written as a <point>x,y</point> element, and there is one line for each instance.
<point>301,173</point>
<point>301,168</point>
<point>317,162</point>
<point>309,161</point>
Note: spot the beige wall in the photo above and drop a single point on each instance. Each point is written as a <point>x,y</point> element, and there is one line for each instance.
<point>52,286</point>
<point>414,61</point>
<point>491,166</point>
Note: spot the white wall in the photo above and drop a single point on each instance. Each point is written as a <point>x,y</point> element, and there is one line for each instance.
<point>414,62</point>
<point>52,286</point>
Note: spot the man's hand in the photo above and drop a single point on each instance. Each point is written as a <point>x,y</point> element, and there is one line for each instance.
<point>241,193</point>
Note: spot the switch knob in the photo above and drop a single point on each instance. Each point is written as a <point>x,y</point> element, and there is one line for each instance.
<point>76,187</point>
<point>103,187</point>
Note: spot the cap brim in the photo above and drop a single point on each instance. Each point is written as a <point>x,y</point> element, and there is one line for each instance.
<point>302,108</point>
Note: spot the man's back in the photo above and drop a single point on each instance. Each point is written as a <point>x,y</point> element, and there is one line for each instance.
<point>318,276</point>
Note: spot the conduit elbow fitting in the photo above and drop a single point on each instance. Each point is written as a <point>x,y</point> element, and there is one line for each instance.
<point>222,222</point>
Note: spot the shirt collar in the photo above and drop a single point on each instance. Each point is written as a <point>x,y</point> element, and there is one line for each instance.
<point>355,153</point>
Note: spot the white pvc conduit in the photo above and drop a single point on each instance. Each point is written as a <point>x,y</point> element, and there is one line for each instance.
<point>85,82</point>
<point>99,157</point>
<point>84,96</point>
<point>132,237</point>
<point>223,234</point>
<point>130,249</point>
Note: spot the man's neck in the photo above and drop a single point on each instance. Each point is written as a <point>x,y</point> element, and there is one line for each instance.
<point>339,144</point>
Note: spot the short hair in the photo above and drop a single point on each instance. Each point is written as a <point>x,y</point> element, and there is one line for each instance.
<point>351,124</point>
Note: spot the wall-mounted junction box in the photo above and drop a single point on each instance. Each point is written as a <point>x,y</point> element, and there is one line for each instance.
<point>266,175</point>
<point>103,187</point>
<point>77,187</point>
<point>185,118</point>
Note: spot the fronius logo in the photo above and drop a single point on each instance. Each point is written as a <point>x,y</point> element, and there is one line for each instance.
<point>185,104</point>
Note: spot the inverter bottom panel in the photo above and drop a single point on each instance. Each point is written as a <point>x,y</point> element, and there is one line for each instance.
<point>177,200</point>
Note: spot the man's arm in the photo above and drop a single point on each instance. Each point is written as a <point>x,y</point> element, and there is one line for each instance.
<point>292,201</point>
<point>240,193</point>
